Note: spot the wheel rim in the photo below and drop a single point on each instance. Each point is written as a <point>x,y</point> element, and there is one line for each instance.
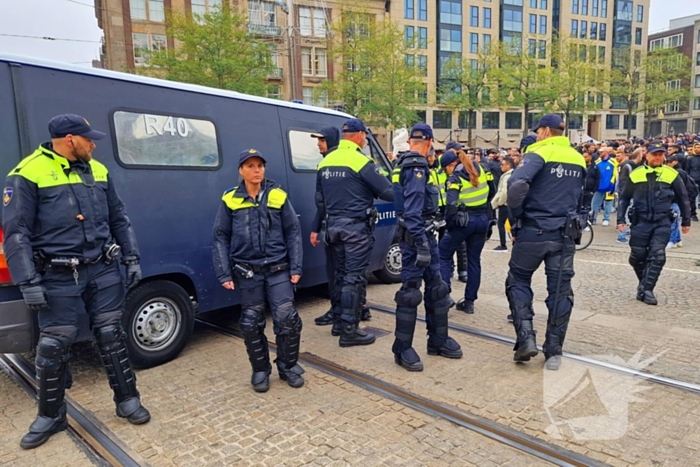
<point>156,324</point>
<point>393,260</point>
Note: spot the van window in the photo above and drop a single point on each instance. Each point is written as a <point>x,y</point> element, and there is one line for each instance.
<point>165,140</point>
<point>304,148</point>
<point>379,159</point>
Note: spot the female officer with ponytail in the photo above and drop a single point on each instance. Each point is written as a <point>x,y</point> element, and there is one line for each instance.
<point>469,191</point>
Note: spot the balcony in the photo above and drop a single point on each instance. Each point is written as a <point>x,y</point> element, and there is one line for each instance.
<point>277,73</point>
<point>264,29</point>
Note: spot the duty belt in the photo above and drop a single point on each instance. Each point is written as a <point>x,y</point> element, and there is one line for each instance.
<point>260,269</point>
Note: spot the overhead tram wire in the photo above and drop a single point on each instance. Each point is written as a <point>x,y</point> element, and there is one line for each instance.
<point>48,38</point>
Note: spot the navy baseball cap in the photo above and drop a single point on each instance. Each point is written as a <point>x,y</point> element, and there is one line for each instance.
<point>72,124</point>
<point>447,158</point>
<point>656,146</point>
<point>247,154</point>
<point>549,121</point>
<point>527,141</point>
<point>421,131</point>
<point>453,145</point>
<point>354,125</point>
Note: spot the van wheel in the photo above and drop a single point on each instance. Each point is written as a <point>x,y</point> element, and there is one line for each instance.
<point>390,273</point>
<point>159,320</point>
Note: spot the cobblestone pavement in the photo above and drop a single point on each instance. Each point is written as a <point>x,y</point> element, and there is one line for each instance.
<point>17,411</point>
<point>206,413</point>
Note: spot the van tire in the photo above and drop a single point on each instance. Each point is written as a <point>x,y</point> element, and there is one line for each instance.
<point>390,273</point>
<point>158,321</point>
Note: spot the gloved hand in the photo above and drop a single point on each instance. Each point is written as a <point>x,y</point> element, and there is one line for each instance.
<point>35,297</point>
<point>423,255</point>
<point>133,273</point>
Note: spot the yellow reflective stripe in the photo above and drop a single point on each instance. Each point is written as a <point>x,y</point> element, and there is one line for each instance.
<point>473,196</point>
<point>664,174</point>
<point>557,150</point>
<point>396,174</point>
<point>347,155</point>
<point>276,198</point>
<point>47,169</point>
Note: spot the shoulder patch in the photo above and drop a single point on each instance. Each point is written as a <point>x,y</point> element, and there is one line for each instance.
<point>7,195</point>
<point>524,162</point>
<point>418,172</point>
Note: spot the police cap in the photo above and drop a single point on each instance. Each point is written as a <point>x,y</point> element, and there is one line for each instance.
<point>247,154</point>
<point>447,158</point>
<point>421,131</point>
<point>527,141</point>
<point>453,145</point>
<point>549,121</point>
<point>72,124</point>
<point>656,146</point>
<point>354,125</point>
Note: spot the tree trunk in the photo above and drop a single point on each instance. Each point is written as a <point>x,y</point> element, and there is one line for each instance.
<point>629,119</point>
<point>469,127</point>
<point>526,111</point>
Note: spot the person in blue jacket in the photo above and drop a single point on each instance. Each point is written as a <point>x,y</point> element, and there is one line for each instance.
<point>257,250</point>
<point>416,201</point>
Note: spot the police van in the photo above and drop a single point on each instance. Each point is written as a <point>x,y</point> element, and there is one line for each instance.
<point>172,150</point>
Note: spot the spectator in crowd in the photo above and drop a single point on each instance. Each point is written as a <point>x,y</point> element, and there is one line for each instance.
<point>499,201</point>
<point>604,195</point>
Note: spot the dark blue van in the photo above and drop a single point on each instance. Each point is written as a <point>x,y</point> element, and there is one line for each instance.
<point>172,150</point>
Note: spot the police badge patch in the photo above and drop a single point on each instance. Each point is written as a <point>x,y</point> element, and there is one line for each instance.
<point>7,195</point>
<point>419,173</point>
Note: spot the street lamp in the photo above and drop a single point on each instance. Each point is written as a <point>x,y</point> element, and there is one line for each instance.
<point>511,97</point>
<point>661,115</point>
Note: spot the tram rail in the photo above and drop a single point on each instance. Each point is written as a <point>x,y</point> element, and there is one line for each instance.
<point>523,442</point>
<point>96,437</point>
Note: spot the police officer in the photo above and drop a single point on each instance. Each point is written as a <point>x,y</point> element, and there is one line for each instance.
<point>415,198</point>
<point>545,229</point>
<point>346,185</point>
<point>462,249</point>
<point>653,187</point>
<point>257,249</point>
<point>469,192</point>
<point>64,225</point>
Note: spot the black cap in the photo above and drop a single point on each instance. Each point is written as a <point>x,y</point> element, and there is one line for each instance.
<point>447,158</point>
<point>247,154</point>
<point>549,121</point>
<point>72,124</point>
<point>421,131</point>
<point>354,125</point>
<point>454,145</point>
<point>527,141</point>
<point>656,146</point>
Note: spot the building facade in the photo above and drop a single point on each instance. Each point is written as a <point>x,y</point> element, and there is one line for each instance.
<point>677,117</point>
<point>437,30</point>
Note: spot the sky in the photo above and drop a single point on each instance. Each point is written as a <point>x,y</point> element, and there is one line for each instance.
<point>75,20</point>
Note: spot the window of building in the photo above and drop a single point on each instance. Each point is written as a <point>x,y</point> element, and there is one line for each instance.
<point>543,25</point>
<point>165,140</point>
<point>629,122</point>
<point>640,13</point>
<point>274,91</point>
<point>204,6</point>
<point>410,60</point>
<point>696,125</point>
<point>594,7</point>
<point>584,27</point>
<point>532,47</point>
<point>533,24</point>
<point>442,119</point>
<point>450,41</point>
<point>513,42</point>
<point>697,59</point>
<point>145,44</point>
<point>474,16</point>
<point>422,38</point>
<point>675,41</point>
<point>473,43</point>
<point>696,103</point>
<point>408,9</point>
<point>512,20</point>
<point>584,7</point>
<point>486,41</point>
<point>464,121</point>
<point>312,22</point>
<point>602,33</point>
<point>261,13</point>
<point>147,10</point>
<point>514,121</point>
<point>697,81</point>
<point>543,4</point>
<point>624,10</point>
<point>423,10</point>
<point>638,36</point>
<point>513,2</point>
<point>423,64</point>
<point>612,122</point>
<point>314,97</point>
<point>698,40</point>
<point>487,17</point>
<point>542,49</point>
<point>656,44</point>
<point>490,120</point>
<point>574,28</point>
<point>574,6</point>
<point>594,30</point>
<point>451,12</point>
<point>603,8</point>
<point>408,36</point>
<point>601,54</point>
<point>533,4</point>
<point>672,107</point>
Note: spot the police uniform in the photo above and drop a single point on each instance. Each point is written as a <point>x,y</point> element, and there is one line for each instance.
<point>64,223</point>
<point>347,184</point>
<point>416,201</point>
<point>257,245</point>
<point>544,230</point>
<point>467,217</point>
<point>653,191</point>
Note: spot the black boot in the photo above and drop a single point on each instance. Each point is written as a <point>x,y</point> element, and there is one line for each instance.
<point>111,345</point>
<point>449,348</point>
<point>337,328</point>
<point>552,348</point>
<point>462,262</point>
<point>525,345</point>
<point>408,359</point>
<point>649,298</point>
<point>261,380</point>
<point>652,271</point>
<point>325,319</point>
<point>466,306</point>
<point>51,374</point>
<point>288,340</point>
<point>365,314</point>
<point>439,343</point>
<point>351,335</point>
<point>292,375</point>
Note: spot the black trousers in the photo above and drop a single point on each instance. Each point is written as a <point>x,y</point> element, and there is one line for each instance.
<point>502,217</point>
<point>648,242</point>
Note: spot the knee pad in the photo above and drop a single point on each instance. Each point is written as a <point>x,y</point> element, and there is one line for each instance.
<point>409,298</point>
<point>350,297</point>
<point>292,325</point>
<point>287,317</point>
<point>637,255</point>
<point>51,352</point>
<point>658,256</point>
<point>108,337</point>
<point>436,289</point>
<point>251,317</point>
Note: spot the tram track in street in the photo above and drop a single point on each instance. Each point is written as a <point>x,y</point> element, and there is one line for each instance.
<point>97,439</point>
<point>495,337</point>
<point>515,439</point>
